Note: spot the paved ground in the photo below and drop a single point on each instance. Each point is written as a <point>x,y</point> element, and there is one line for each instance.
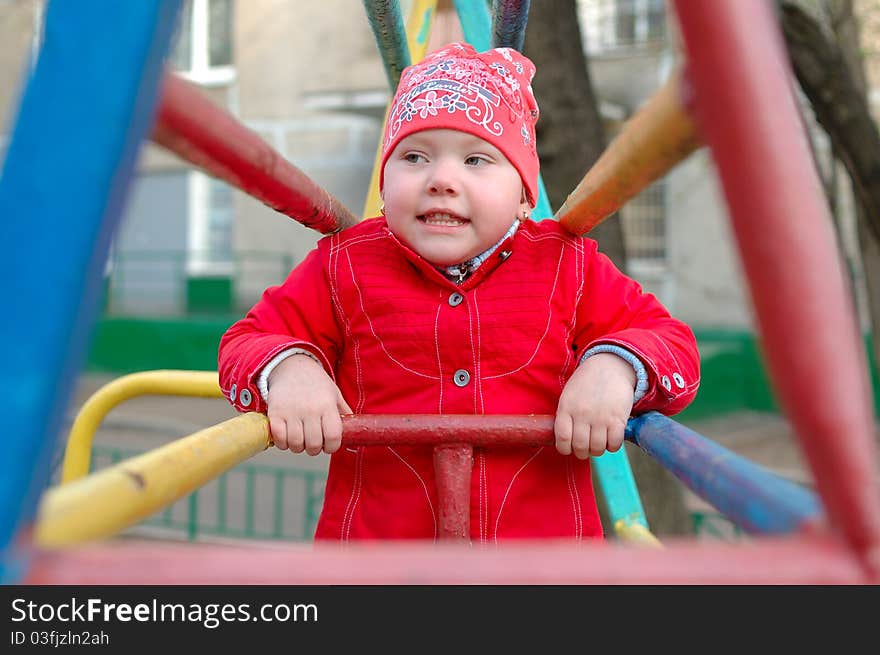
<point>147,422</point>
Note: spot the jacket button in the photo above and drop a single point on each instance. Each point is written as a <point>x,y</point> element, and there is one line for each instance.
<point>666,383</point>
<point>455,299</point>
<point>244,398</point>
<point>679,381</point>
<point>461,377</point>
<point>232,392</point>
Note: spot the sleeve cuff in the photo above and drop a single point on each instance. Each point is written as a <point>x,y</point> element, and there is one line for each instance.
<point>263,380</point>
<point>635,362</point>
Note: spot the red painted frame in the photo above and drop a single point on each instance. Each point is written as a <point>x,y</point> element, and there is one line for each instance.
<point>744,105</point>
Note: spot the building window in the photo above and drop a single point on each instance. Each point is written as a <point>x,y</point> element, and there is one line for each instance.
<point>644,227</point>
<point>608,25</point>
<point>210,234</point>
<point>202,50</point>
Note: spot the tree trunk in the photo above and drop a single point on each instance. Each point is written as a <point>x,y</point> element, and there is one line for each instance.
<point>569,130</point>
<point>570,140</point>
<point>830,74</point>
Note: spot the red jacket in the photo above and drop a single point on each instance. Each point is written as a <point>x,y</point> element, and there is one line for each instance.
<point>392,332</point>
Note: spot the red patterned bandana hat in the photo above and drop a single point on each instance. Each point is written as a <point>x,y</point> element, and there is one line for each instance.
<point>487,94</point>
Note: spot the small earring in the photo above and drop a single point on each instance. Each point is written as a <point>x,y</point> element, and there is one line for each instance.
<point>525,215</point>
<point>382,209</point>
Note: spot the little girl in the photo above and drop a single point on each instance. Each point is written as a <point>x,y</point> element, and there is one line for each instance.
<point>456,302</point>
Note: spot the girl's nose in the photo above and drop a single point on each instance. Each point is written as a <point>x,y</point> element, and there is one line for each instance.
<point>442,180</point>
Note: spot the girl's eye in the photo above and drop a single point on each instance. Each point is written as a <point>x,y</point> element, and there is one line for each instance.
<point>414,157</point>
<point>475,160</point>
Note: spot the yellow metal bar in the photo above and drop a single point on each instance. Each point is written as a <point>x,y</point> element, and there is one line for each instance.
<point>636,533</point>
<point>201,384</point>
<point>418,31</point>
<point>655,139</point>
<point>115,498</point>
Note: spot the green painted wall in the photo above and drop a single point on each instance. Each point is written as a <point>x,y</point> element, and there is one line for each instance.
<point>125,345</point>
<point>733,376</point>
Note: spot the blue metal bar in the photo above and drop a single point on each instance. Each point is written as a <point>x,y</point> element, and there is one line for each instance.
<point>509,18</point>
<point>542,209</point>
<point>476,23</point>
<point>619,488</point>
<point>754,498</point>
<point>387,23</point>
<point>83,115</point>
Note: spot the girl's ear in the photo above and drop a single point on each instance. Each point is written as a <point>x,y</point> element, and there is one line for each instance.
<point>524,207</point>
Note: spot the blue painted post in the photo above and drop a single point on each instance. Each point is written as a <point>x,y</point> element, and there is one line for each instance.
<point>387,23</point>
<point>509,18</point>
<point>612,469</point>
<point>754,498</point>
<point>622,499</point>
<point>476,25</point>
<point>83,115</point>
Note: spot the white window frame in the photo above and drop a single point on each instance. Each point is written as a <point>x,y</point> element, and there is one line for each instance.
<point>601,35</point>
<point>200,70</point>
<point>198,260</point>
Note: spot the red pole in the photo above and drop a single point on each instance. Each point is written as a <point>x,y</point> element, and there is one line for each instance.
<point>432,430</point>
<point>808,560</point>
<point>195,129</point>
<point>746,110</point>
<point>452,469</point>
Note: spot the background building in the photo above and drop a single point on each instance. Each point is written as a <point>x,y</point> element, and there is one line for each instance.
<point>193,253</point>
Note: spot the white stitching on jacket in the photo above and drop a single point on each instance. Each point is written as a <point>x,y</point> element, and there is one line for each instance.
<point>439,360</point>
<point>509,487</point>
<point>424,487</point>
<point>376,336</point>
<point>546,327</point>
<point>575,500</point>
<point>357,485</point>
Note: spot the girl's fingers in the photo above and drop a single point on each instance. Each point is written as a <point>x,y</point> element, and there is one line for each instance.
<point>598,440</point>
<point>341,405</point>
<point>562,430</point>
<point>278,429</point>
<point>313,434</point>
<point>615,437</point>
<point>580,440</point>
<point>332,427</point>
<point>295,439</point>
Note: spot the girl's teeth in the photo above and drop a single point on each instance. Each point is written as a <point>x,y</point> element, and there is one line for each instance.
<point>442,219</point>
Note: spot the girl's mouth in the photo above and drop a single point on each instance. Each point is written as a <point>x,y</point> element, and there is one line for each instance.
<point>442,219</point>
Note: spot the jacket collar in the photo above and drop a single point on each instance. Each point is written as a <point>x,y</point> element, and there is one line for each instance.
<point>476,269</point>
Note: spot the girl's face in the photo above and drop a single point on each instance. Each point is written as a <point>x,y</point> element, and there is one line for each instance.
<point>450,195</point>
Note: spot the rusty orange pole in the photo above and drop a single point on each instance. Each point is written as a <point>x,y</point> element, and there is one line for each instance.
<point>655,139</point>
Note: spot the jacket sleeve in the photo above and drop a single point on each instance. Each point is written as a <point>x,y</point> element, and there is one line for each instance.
<point>297,314</point>
<point>614,310</point>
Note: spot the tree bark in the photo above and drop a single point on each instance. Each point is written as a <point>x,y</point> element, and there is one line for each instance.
<point>569,130</point>
<point>570,139</point>
<point>840,107</point>
<point>829,70</point>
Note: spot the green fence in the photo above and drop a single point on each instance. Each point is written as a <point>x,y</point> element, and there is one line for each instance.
<point>248,502</point>
<point>281,504</point>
